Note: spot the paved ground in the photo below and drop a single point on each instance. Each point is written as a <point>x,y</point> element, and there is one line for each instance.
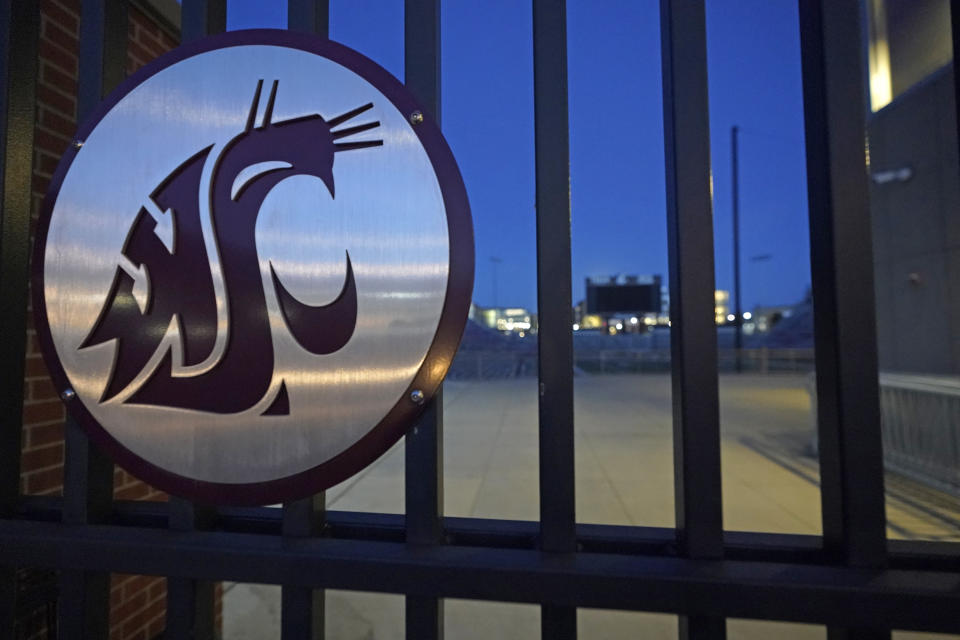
<point>624,476</point>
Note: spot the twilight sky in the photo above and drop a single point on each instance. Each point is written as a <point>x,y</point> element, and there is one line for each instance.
<point>616,133</point>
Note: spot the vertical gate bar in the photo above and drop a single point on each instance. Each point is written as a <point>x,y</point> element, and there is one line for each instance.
<point>424,443</point>
<point>88,473</point>
<point>310,16</point>
<point>554,298</point>
<point>19,34</point>
<point>424,475</point>
<point>302,611</point>
<point>423,459</point>
<point>191,603</point>
<point>693,342</point>
<point>558,622</point>
<point>557,499</point>
<point>841,259</point>
<point>199,18</point>
<point>955,33</point>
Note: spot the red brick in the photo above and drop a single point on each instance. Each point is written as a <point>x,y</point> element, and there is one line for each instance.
<point>57,13</point>
<point>133,633</point>
<point>156,627</point>
<point>42,458</point>
<point>51,142</point>
<point>49,97</point>
<point>44,434</point>
<point>157,590</point>
<point>47,481</point>
<point>129,608</point>
<point>139,53</point>
<point>155,610</point>
<point>33,344</point>
<point>168,41</point>
<point>42,389</point>
<point>65,60</point>
<point>133,492</point>
<point>59,36</point>
<point>73,6</point>
<point>57,123</point>
<point>143,22</point>
<point>47,411</point>
<point>35,367</point>
<point>136,585</point>
<point>56,78</point>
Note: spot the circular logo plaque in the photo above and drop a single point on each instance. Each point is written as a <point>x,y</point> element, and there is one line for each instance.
<point>253,268</point>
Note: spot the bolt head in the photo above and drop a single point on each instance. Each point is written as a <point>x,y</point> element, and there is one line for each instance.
<point>416,117</point>
<point>68,394</point>
<point>416,396</point>
<point>77,144</point>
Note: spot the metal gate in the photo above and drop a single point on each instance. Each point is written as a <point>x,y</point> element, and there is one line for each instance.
<point>851,579</point>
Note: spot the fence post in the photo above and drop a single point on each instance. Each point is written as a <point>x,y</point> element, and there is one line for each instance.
<point>19,33</point>
<point>693,337</point>
<point>424,443</point>
<point>190,603</point>
<point>841,260</point>
<point>554,304</point>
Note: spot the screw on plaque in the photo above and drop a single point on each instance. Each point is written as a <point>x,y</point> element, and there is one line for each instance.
<point>68,394</point>
<point>416,117</point>
<point>77,144</point>
<point>416,396</point>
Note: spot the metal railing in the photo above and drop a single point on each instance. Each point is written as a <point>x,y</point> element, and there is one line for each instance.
<point>921,428</point>
<point>493,365</point>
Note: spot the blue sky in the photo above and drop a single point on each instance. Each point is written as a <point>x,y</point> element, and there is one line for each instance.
<point>616,133</point>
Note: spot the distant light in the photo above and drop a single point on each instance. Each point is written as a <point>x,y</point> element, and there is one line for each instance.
<point>747,315</point>
<point>881,82</point>
<point>634,320</point>
<point>731,318</point>
<point>576,327</point>
<point>619,326</point>
<point>894,175</point>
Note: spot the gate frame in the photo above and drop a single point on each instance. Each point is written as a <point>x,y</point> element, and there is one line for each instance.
<point>852,578</point>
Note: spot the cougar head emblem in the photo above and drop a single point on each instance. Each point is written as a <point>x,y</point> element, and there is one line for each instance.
<point>181,289</point>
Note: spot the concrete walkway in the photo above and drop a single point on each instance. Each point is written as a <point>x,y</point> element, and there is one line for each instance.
<point>624,475</point>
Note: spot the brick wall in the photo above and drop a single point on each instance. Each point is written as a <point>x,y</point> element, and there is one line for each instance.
<point>137,603</point>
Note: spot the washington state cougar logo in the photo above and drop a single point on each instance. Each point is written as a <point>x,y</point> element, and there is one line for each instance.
<point>181,288</point>
<point>232,307</point>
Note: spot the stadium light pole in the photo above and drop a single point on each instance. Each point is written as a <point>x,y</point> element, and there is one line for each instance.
<point>495,261</point>
<point>738,312</point>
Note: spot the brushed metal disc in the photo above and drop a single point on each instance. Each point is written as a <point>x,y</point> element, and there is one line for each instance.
<point>387,213</point>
